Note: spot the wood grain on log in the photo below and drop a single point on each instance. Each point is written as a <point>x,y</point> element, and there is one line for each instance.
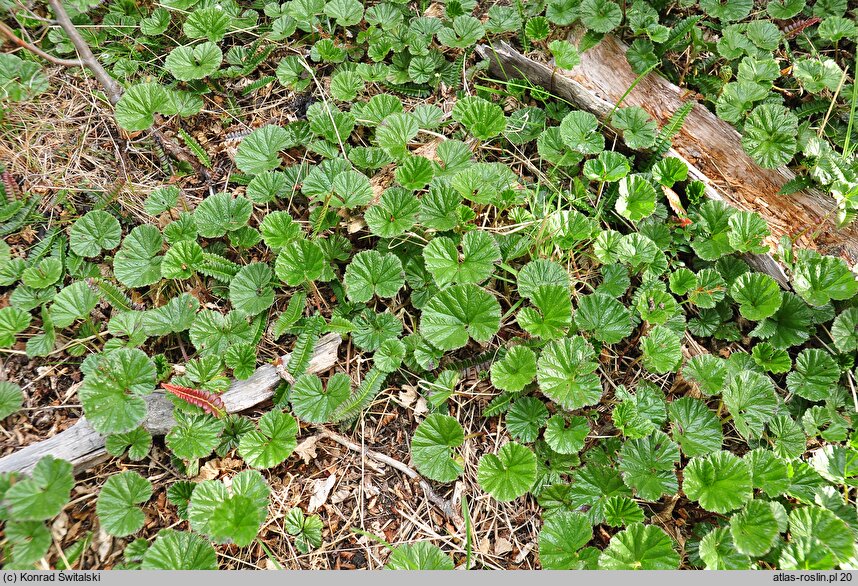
<point>711,147</point>
<point>84,447</point>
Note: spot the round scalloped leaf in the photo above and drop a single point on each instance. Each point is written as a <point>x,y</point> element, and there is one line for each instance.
<point>696,428</point>
<point>188,63</point>
<point>315,404</point>
<point>258,151</point>
<point>844,330</point>
<point>138,105</point>
<point>195,435</point>
<point>508,474</point>
<point>20,79</point>
<point>579,131</point>
<point>640,547</point>
<point>565,434</point>
<point>719,553</point>
<point>458,313</point>
<point>565,372</point>
<point>823,525</point>
<point>29,541</point>
<point>525,417</point>
<point>754,529</point>
<point>621,511</point>
<point>662,350</point>
<point>419,556</point>
<point>112,393</point>
<point>515,370</point>
<point>561,538</point>
<point>272,442</point>
<point>95,231</point>
<point>482,118</point>
<point>540,272</point>
<point>708,372</point>
<point>432,447</point>
<point>818,279</point>
<point>137,263</point>
<point>278,230</point>
<point>221,213</point>
<point>395,213</point>
<point>179,550</point>
<point>11,398</point>
<point>648,465</point>
<point>637,198</point>
<point>750,397</point>
<point>44,274</point>
<point>117,508</point>
<point>474,264</point>
<point>371,273</point>
<point>604,316</point>
<point>210,23</point>
<point>720,482</point>
<point>250,290</point>
<point>769,135</point>
<point>758,295</point>
<point>44,494</point>
<point>300,262</point>
<point>389,355</point>
<point>815,375</point>
<point>73,300</point>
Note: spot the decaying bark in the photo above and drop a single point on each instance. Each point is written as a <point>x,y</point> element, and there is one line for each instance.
<point>711,147</point>
<point>84,447</point>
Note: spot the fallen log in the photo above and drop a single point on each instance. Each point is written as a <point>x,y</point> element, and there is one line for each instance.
<point>84,447</point>
<point>710,147</point>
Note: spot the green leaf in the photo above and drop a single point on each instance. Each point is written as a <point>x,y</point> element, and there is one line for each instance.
<point>579,132</point>
<point>278,230</point>
<point>211,22</point>
<point>395,132</point>
<point>720,482</point>
<point>561,538</point>
<point>565,434</point>
<point>234,515</point>
<point>637,198</point>
<point>258,151</point>
<point>11,398</point>
<point>419,556</point>
<point>640,547</point>
<point>221,213</point>
<point>93,232</point>
<point>639,130</point>
<point>19,79</point>
<point>769,473</point>
<point>14,320</point>
<point>272,443</point>
<point>696,428</point>
<point>769,135</point>
<point>662,350</point>
<point>607,318</point>
<point>432,447</point>
<point>844,330</point>
<point>565,372</point>
<point>754,529</point>
<point>774,360</point>
<point>748,230</point>
<point>71,304</point>
<point>540,272</point>
<point>818,279</point>
<point>29,540</point>
<point>300,262</point>
<point>195,435</point>
<point>473,265</point>
<point>179,550</point>
<point>314,404</point>
<point>758,295</point>
<point>457,313</point>
<point>137,441</point>
<point>621,511</point>
<point>718,551</point>
<point>138,105</point>
<point>306,529</point>
<point>815,375</point>
<point>600,16</point>
<point>648,465</point>
<point>138,262</point>
<point>117,508</point>
<point>44,274</point>
<point>112,393</point>
<point>827,529</point>
<point>188,63</point>
<point>508,474</point>
<point>553,313</point>
<point>480,117</point>
<point>44,494</point>
<point>525,418</point>
<point>251,291</point>
<point>395,213</point>
<point>515,370</point>
<point>371,273</point>
<point>750,397</point>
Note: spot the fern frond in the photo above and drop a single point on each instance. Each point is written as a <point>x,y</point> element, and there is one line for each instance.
<point>677,34</point>
<point>304,346</point>
<point>218,267</point>
<point>111,294</point>
<point>668,131</point>
<point>412,90</point>
<point>259,83</point>
<point>206,400</point>
<point>351,408</point>
<point>196,148</point>
<point>795,185</point>
<point>19,216</point>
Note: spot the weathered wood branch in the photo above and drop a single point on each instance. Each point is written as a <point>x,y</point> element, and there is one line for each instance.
<point>710,147</point>
<point>10,36</point>
<point>84,447</point>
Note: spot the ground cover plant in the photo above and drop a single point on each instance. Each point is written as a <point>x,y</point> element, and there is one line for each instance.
<point>579,322</point>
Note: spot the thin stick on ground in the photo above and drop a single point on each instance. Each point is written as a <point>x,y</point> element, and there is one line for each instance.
<point>10,35</point>
<point>444,505</point>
